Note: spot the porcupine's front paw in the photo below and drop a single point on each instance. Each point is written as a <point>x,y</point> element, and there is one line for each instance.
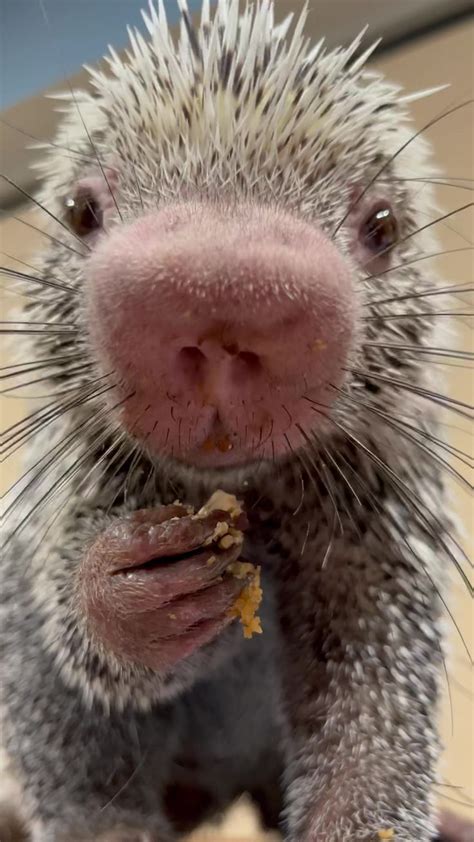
<point>154,586</point>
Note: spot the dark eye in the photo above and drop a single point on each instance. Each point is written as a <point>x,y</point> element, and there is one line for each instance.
<point>380,230</point>
<point>83,213</point>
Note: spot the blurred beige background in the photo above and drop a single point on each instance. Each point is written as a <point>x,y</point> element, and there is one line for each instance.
<point>446,56</point>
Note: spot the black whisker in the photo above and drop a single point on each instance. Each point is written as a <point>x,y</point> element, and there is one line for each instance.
<point>417,260</point>
<point>43,208</point>
<point>33,279</point>
<point>48,235</point>
<point>399,426</point>
<point>453,353</point>
<point>376,507</point>
<point>62,480</point>
<point>395,155</point>
<point>444,400</point>
<point>322,474</point>
<point>36,365</point>
<point>35,269</point>
<point>449,448</point>
<point>453,178</point>
<point>451,365</point>
<point>428,313</point>
<point>448,685</point>
<point>301,501</point>
<point>137,184</point>
<point>138,452</point>
<point>81,116</point>
<point>448,290</point>
<point>405,490</point>
<point>70,372</point>
<point>42,332</point>
<point>65,478</point>
<point>437,183</point>
<point>125,446</point>
<point>409,495</point>
<point>73,154</point>
<point>36,421</point>
<point>412,234</point>
<point>341,473</point>
<point>66,326</point>
<point>50,458</point>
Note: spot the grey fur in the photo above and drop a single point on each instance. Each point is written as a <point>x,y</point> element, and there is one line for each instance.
<point>339,696</point>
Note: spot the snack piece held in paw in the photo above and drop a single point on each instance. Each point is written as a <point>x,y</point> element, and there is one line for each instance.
<point>227,532</point>
<point>223,502</point>
<point>226,535</point>
<point>248,601</point>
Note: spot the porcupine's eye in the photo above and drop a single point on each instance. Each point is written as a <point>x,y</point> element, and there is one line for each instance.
<point>83,213</point>
<point>379,230</point>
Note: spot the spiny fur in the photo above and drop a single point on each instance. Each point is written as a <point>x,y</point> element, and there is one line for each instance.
<point>241,109</point>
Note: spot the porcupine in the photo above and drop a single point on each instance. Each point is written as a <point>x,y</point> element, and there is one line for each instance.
<point>218,312</point>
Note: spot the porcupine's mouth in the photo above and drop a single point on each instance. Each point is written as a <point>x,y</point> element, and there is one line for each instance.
<point>219,448</point>
<point>237,437</point>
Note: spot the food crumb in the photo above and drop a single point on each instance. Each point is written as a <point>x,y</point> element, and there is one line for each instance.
<point>319,345</point>
<point>389,833</point>
<point>226,535</point>
<point>247,603</point>
<point>172,616</point>
<point>231,538</point>
<point>223,502</point>
<point>221,528</point>
<point>223,444</point>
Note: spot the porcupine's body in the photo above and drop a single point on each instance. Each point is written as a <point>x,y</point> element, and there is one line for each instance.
<point>331,712</point>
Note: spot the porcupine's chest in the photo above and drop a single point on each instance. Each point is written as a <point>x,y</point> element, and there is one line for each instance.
<point>231,731</point>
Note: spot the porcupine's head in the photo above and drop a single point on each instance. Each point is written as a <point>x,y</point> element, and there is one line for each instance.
<point>233,246</point>
<point>240,227</point>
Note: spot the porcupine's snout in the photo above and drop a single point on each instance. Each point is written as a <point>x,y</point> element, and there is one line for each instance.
<point>219,325</point>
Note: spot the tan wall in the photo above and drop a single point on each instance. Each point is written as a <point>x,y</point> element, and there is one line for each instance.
<point>445,57</point>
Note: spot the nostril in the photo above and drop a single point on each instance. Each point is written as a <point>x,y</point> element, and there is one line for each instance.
<point>191,362</point>
<point>246,366</point>
<point>250,361</point>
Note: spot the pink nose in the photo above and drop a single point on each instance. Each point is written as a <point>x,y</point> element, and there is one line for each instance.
<point>224,324</point>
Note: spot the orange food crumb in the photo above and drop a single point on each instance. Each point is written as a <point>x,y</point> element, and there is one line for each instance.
<point>247,603</point>
<point>208,444</point>
<point>223,501</point>
<point>226,535</point>
<point>389,833</point>
<point>223,445</point>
